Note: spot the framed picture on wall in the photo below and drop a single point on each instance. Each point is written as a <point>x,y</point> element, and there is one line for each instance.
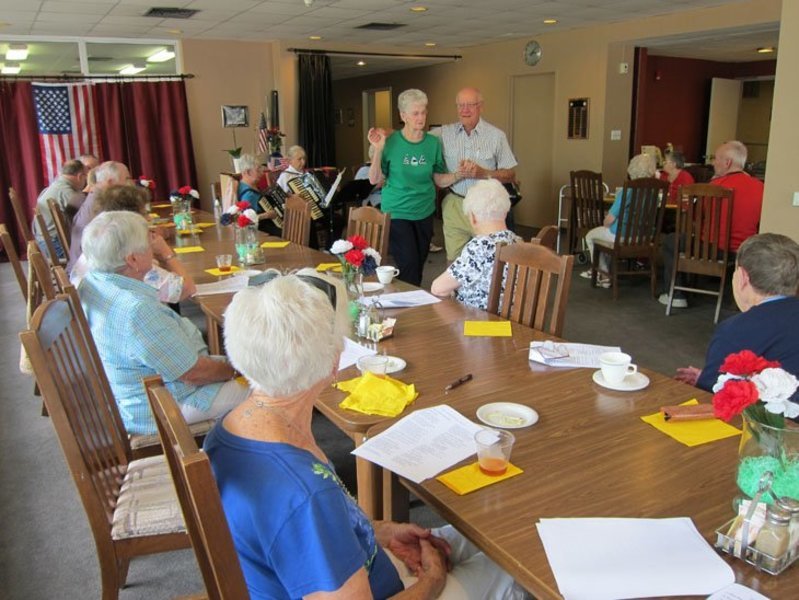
<point>235,116</point>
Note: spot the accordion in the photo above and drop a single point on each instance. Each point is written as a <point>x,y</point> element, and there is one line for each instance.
<point>274,199</point>
<point>307,186</point>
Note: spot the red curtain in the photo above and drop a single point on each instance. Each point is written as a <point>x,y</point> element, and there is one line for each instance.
<point>146,126</point>
<point>20,165</point>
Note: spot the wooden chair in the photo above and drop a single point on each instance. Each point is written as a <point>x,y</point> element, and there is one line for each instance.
<point>372,224</point>
<point>199,498</point>
<point>48,241</point>
<point>8,245</point>
<point>702,238</point>
<point>63,226</point>
<point>536,286</point>
<point>588,207</point>
<point>637,232</point>
<point>297,220</point>
<point>20,214</point>
<point>229,186</point>
<point>41,275</point>
<point>130,504</point>
<point>548,237</point>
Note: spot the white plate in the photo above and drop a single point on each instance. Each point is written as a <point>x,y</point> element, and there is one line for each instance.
<point>395,365</point>
<point>631,383</point>
<point>507,415</point>
<point>372,286</point>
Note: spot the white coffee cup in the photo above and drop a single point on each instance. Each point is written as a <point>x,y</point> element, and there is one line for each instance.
<point>386,274</point>
<point>616,366</point>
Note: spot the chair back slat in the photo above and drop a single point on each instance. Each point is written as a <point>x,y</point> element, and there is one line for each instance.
<point>587,201</point>
<point>704,210</point>
<point>7,244</point>
<point>641,216</point>
<point>371,224</point>
<point>62,225</point>
<point>20,214</point>
<point>297,220</point>
<point>199,498</point>
<point>52,255</point>
<point>41,273</point>
<point>530,285</point>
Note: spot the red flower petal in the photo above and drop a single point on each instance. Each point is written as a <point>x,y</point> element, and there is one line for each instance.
<point>745,363</point>
<point>243,221</point>
<point>358,242</point>
<point>185,189</point>
<point>733,398</point>
<point>243,205</point>
<point>354,257</point>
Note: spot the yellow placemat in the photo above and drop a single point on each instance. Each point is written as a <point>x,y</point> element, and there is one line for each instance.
<point>470,478</point>
<point>166,205</point>
<point>692,433</point>
<point>154,216</point>
<point>217,273</point>
<point>189,231</point>
<point>487,328</point>
<point>242,380</point>
<point>322,267</point>
<point>278,245</point>
<point>372,395</point>
<point>187,249</point>
<point>205,224</point>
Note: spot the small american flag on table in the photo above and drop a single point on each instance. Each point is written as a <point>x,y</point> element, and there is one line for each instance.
<point>67,124</point>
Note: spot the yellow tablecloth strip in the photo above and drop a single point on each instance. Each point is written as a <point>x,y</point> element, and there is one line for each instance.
<point>217,273</point>
<point>322,267</point>
<point>487,328</point>
<point>165,205</point>
<point>189,231</point>
<point>278,245</point>
<point>470,478</point>
<point>372,395</point>
<point>187,249</point>
<point>205,224</point>
<point>692,433</point>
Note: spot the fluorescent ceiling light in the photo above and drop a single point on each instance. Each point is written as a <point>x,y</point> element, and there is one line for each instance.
<point>419,9</point>
<point>430,44</point>
<point>315,37</point>
<point>550,21</point>
<point>361,63</point>
<point>131,69</point>
<point>17,52</point>
<point>767,50</point>
<point>162,55</point>
<point>10,69</point>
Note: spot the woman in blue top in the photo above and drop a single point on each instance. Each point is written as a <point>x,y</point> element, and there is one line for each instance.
<point>297,531</point>
<point>409,164</point>
<point>641,165</point>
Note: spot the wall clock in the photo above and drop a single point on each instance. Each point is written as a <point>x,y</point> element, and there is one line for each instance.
<point>532,53</point>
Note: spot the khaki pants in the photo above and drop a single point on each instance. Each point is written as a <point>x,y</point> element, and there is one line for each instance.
<point>457,229</point>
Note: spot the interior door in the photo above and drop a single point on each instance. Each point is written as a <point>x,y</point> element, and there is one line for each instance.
<point>377,112</point>
<point>722,123</point>
<point>531,139</point>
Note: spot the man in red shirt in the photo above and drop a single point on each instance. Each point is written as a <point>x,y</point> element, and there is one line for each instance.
<point>728,164</point>
<point>673,172</point>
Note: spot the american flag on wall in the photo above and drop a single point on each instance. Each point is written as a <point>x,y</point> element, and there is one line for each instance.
<point>263,136</point>
<point>67,125</point>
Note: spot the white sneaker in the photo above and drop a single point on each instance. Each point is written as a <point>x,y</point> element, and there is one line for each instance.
<point>675,303</point>
<point>603,282</point>
<point>586,274</point>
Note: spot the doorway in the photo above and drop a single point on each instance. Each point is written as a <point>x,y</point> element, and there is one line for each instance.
<point>533,104</point>
<point>377,111</point>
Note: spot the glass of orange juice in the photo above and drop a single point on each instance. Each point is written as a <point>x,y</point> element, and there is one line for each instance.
<point>493,450</point>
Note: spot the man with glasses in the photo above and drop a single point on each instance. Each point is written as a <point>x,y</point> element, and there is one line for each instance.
<point>481,151</point>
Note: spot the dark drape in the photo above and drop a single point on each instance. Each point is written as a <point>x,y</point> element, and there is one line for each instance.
<point>316,110</point>
<point>20,165</point>
<point>146,126</point>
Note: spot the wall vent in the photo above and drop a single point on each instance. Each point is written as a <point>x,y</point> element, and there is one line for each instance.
<point>381,26</point>
<point>166,12</point>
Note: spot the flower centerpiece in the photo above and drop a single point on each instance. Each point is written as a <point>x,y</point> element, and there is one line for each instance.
<point>761,391</point>
<point>146,182</point>
<point>357,259</point>
<point>239,213</point>
<point>245,220</point>
<point>274,137</point>
<point>181,200</point>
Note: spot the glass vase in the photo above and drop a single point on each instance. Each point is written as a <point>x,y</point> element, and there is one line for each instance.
<point>353,281</point>
<point>768,448</point>
<point>247,248</point>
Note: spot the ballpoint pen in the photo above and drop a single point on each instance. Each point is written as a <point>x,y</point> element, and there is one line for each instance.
<point>461,381</point>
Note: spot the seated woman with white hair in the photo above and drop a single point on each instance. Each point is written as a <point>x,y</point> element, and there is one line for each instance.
<point>297,530</point>
<point>486,205</point>
<point>138,336</point>
<point>297,157</point>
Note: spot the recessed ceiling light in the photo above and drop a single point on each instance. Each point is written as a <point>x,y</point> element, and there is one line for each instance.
<point>17,52</point>
<point>430,44</point>
<point>131,69</point>
<point>766,50</point>
<point>10,69</point>
<point>175,31</point>
<point>315,37</point>
<point>550,21</point>
<point>418,9</point>
<point>162,55</point>
<point>361,63</point>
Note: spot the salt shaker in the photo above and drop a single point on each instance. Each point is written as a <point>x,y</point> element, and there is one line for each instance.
<point>773,539</point>
<point>790,507</point>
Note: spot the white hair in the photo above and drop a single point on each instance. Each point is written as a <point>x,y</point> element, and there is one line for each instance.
<point>736,151</point>
<point>487,200</point>
<point>247,162</point>
<point>641,165</point>
<point>285,336</point>
<point>295,151</point>
<point>410,97</point>
<point>109,171</point>
<point>113,236</point>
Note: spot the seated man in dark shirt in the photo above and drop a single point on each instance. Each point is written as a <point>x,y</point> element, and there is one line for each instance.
<point>765,285</point>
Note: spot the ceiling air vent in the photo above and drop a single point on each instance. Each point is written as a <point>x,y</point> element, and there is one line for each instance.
<point>99,58</point>
<point>165,12</point>
<point>381,26</point>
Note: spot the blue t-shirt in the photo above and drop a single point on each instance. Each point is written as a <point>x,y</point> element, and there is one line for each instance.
<point>249,194</point>
<point>295,527</point>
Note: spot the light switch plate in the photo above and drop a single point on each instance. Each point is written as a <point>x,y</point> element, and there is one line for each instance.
<point>624,68</point>
<point>796,198</point>
<point>615,136</point>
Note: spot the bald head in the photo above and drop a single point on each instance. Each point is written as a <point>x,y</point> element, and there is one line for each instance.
<point>111,173</point>
<point>469,102</point>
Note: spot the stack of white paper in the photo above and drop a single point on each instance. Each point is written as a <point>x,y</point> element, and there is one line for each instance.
<point>561,354</point>
<point>351,353</point>
<point>606,559</point>
<point>224,286</point>
<point>422,444</point>
<point>401,299</point>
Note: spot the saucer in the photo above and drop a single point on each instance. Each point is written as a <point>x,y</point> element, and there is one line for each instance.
<point>631,383</point>
<point>507,415</point>
<point>372,286</point>
<point>395,365</point>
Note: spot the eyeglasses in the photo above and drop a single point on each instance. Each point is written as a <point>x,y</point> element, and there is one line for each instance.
<point>462,105</point>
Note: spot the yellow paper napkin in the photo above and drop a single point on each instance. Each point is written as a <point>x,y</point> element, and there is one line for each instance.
<point>372,395</point>
<point>692,433</point>
<point>205,224</point>
<point>276,245</point>
<point>322,267</point>
<point>187,249</point>
<point>217,273</point>
<point>470,478</point>
<point>487,328</point>
<point>166,205</point>
<point>154,216</point>
<point>189,231</point>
